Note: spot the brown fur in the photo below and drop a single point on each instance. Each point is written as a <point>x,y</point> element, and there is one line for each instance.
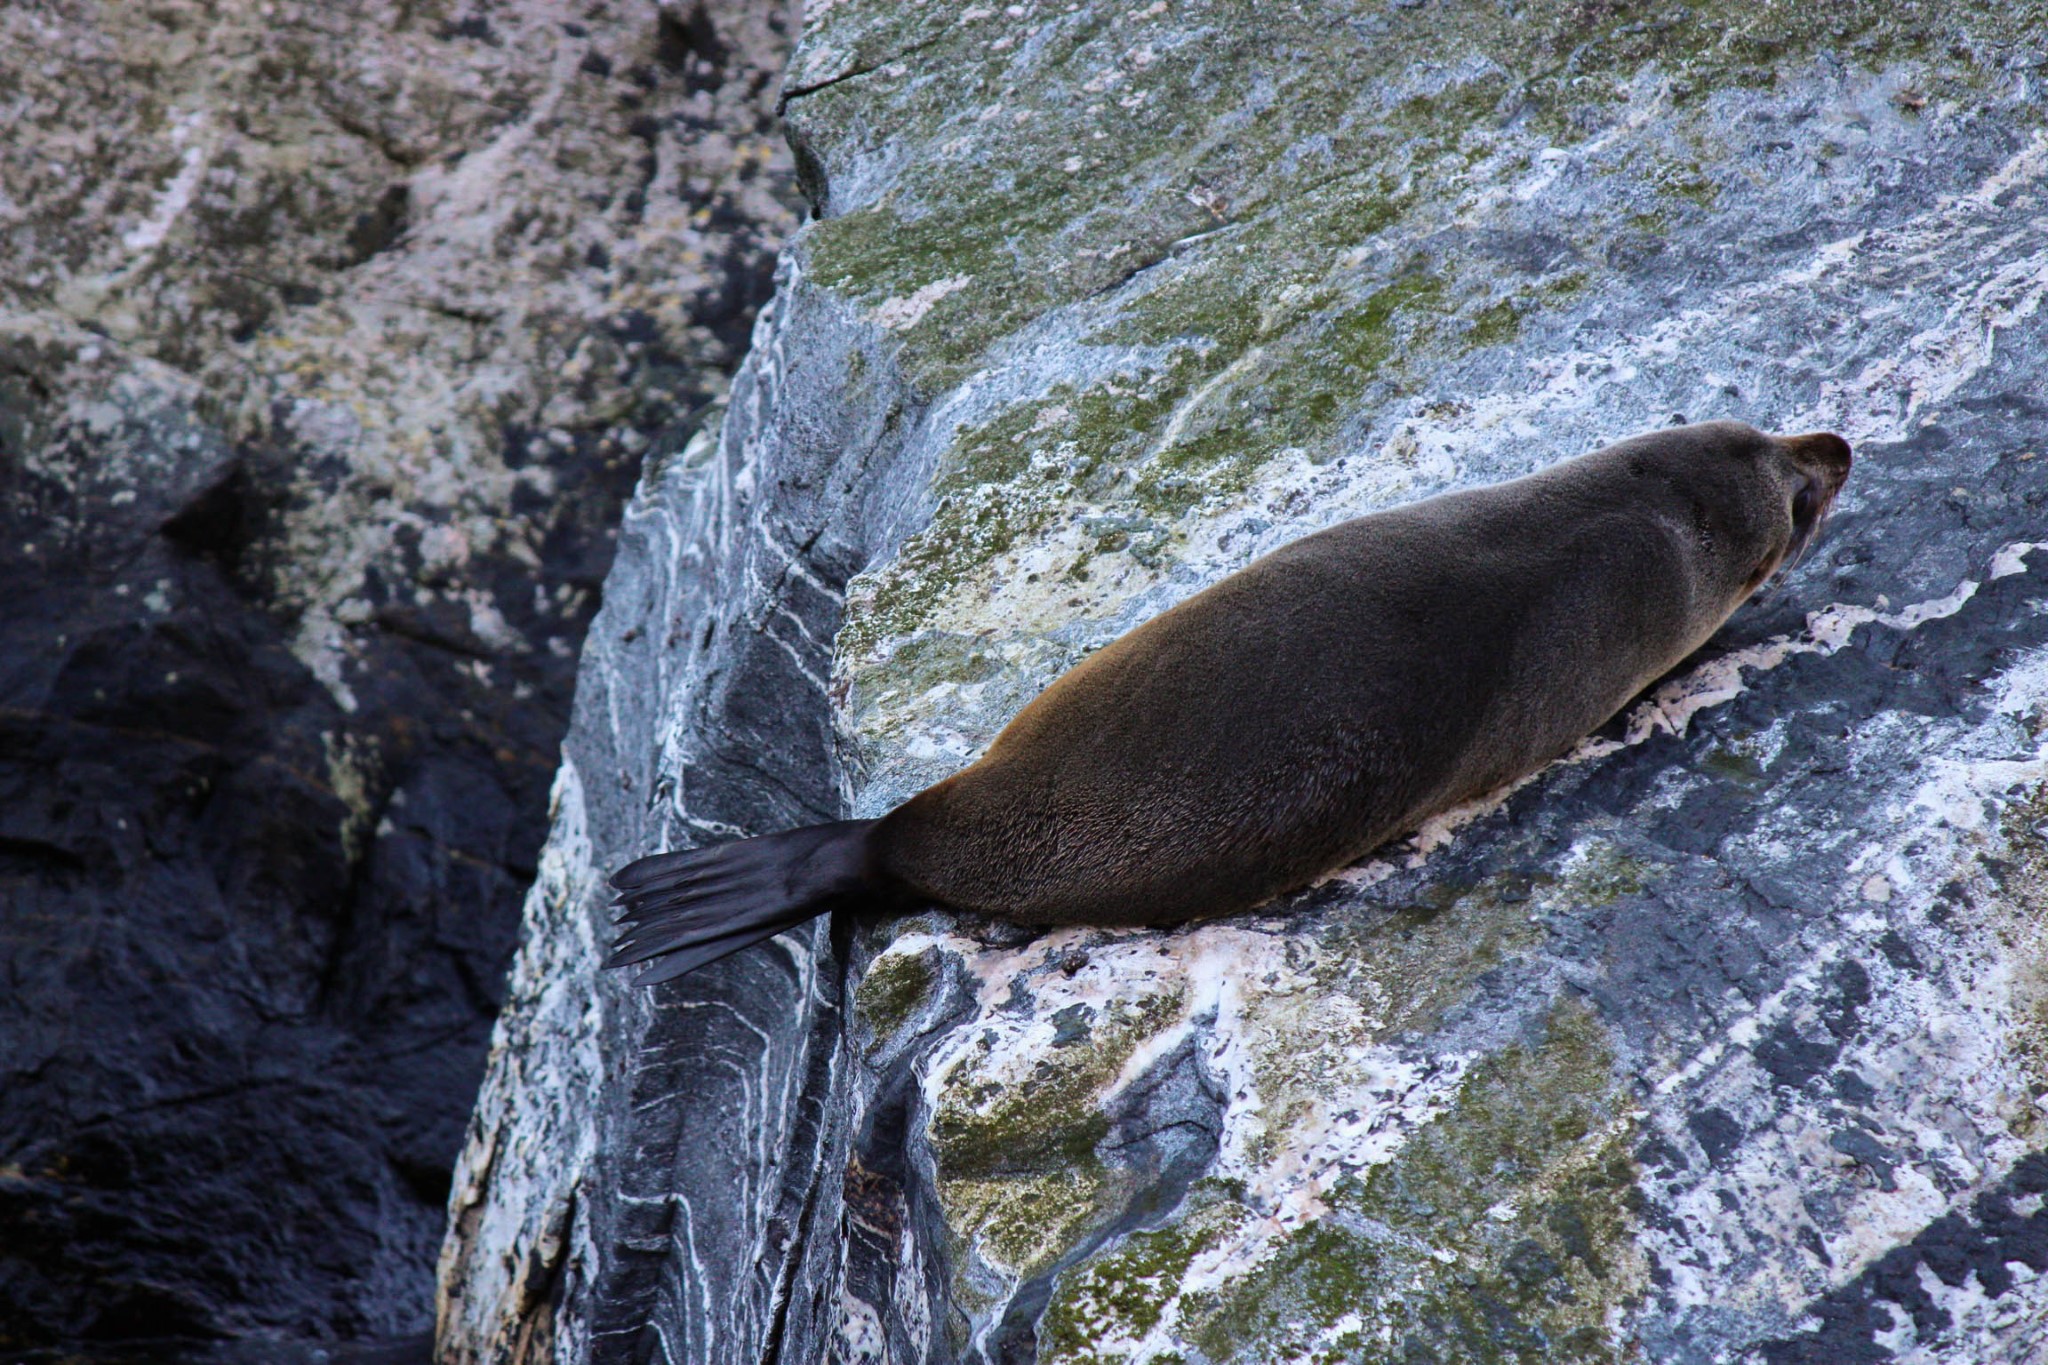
<point>1306,709</point>
<point>1344,688</point>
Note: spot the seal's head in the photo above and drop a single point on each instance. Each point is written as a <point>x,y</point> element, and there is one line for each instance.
<point>1750,502</point>
<point>1819,463</point>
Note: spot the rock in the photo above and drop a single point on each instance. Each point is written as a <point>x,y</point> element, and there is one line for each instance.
<point>328,349</point>
<point>1719,1040</point>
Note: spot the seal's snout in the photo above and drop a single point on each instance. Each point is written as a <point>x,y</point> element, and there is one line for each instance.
<point>1821,460</point>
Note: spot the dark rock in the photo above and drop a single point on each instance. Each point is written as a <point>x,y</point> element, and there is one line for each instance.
<point>310,470</point>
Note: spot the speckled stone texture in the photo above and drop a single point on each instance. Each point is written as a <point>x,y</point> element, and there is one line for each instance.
<point>330,341</point>
<point>1723,1040</point>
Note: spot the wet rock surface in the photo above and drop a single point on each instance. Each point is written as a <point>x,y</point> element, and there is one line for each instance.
<point>330,345</point>
<point>1720,1040</point>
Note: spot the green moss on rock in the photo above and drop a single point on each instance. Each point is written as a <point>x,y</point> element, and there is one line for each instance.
<point>1424,957</point>
<point>1024,1222</point>
<point>1015,1156</point>
<point>1002,1126</point>
<point>1058,167</point>
<point>1124,1294</point>
<point>893,989</point>
<point>1504,1231</point>
<point>1601,874</point>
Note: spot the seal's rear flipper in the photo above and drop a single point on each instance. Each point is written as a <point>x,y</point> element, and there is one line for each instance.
<point>682,910</point>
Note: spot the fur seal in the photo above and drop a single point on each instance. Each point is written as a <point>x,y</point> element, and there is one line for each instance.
<point>1326,698</point>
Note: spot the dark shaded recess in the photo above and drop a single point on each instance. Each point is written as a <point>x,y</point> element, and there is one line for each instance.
<point>242,1009</point>
<point>685,384</point>
<point>813,182</point>
<point>578,521</point>
<point>378,227</point>
<point>727,303</point>
<point>1717,1133</point>
<point>217,525</point>
<point>885,1197</point>
<point>244,988</point>
<point>687,44</point>
<point>251,944</point>
<point>474,27</point>
<point>1984,1241</point>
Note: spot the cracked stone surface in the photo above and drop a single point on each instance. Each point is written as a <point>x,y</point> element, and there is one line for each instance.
<point>1720,1040</point>
<point>330,342</point>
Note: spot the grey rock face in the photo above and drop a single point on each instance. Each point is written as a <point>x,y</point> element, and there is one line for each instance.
<point>329,343</point>
<point>1720,1040</point>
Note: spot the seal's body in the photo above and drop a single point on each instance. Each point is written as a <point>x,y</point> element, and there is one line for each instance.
<point>1328,697</point>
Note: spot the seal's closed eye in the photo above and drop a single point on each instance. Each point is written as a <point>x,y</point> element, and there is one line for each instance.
<point>1805,503</point>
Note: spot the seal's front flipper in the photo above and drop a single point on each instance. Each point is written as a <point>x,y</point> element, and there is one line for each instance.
<point>682,910</point>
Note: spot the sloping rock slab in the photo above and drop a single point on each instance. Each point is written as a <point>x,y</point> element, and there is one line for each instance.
<point>1720,1040</point>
